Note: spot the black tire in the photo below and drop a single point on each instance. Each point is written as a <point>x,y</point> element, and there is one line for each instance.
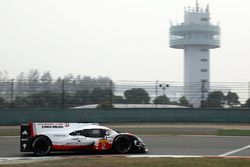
<point>41,146</point>
<point>122,144</point>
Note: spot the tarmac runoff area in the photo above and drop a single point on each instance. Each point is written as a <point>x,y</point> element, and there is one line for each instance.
<point>159,146</point>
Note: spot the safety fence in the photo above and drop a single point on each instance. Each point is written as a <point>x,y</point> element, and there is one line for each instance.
<point>68,93</point>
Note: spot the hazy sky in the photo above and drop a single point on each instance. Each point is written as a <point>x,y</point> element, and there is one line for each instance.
<point>122,39</point>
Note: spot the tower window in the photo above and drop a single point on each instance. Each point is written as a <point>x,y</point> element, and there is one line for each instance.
<point>203,70</point>
<point>204,60</point>
<point>204,50</point>
<point>203,80</point>
<point>204,19</point>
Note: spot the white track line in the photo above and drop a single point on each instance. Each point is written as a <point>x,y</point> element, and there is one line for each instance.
<point>6,159</point>
<point>235,151</point>
<point>26,158</point>
<point>164,156</point>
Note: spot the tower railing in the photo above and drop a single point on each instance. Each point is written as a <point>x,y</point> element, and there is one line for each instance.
<point>183,43</point>
<point>187,28</point>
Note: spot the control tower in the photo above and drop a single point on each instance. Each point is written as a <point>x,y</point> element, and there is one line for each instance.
<point>196,35</point>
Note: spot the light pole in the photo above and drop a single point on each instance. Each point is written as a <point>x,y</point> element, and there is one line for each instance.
<point>164,86</point>
<point>156,88</point>
<point>12,93</point>
<point>249,90</point>
<point>203,91</point>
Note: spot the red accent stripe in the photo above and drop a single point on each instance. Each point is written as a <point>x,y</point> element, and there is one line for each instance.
<point>71,147</point>
<point>31,127</point>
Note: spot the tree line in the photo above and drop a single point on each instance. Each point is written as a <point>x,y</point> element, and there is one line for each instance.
<point>35,89</point>
<point>105,98</point>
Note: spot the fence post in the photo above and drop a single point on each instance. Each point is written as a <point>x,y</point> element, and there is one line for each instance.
<point>203,91</point>
<point>63,94</point>
<point>110,94</point>
<point>248,90</point>
<point>12,93</point>
<point>156,92</point>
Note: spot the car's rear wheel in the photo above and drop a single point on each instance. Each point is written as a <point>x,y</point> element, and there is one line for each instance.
<point>122,144</point>
<point>41,146</point>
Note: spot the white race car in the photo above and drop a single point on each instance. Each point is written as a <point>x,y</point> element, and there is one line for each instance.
<point>42,138</point>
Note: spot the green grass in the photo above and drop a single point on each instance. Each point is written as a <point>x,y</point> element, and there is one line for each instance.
<point>137,162</point>
<point>9,132</point>
<point>233,132</point>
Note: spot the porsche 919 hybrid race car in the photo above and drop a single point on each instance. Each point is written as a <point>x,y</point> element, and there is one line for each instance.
<point>42,138</point>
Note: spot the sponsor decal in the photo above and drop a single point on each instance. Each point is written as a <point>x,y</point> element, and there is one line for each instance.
<point>103,144</point>
<point>53,125</point>
<point>24,146</point>
<point>59,135</point>
<point>25,132</point>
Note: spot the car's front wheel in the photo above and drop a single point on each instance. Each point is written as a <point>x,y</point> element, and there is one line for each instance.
<point>122,144</point>
<point>41,146</point>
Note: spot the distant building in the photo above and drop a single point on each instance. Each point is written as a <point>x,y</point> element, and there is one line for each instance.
<point>89,106</point>
<point>196,35</point>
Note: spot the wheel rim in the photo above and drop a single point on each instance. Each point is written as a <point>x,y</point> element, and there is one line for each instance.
<point>123,145</point>
<point>42,148</point>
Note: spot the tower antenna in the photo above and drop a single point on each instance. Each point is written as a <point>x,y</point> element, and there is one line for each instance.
<point>207,9</point>
<point>197,6</point>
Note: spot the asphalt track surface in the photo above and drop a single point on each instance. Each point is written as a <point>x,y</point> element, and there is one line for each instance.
<point>160,145</point>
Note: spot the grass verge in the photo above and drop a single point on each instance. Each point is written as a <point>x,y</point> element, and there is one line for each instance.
<point>137,162</point>
<point>233,132</point>
<point>9,132</point>
<point>139,131</point>
<point>174,129</point>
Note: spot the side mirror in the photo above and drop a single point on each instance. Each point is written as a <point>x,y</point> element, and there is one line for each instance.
<point>104,134</point>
